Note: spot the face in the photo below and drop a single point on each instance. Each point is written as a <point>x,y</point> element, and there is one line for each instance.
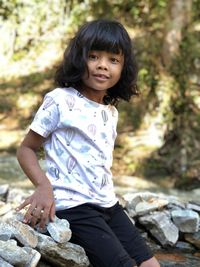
<point>104,71</point>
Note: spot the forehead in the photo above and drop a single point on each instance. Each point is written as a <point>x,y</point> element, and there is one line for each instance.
<point>107,53</point>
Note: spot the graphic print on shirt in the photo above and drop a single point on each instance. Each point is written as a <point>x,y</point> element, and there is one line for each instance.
<point>59,151</point>
<point>102,158</point>
<point>104,116</point>
<point>92,130</point>
<point>84,148</point>
<point>48,102</point>
<point>104,181</point>
<point>55,172</point>
<point>104,136</point>
<point>71,164</point>
<point>46,122</point>
<point>70,100</point>
<point>69,136</point>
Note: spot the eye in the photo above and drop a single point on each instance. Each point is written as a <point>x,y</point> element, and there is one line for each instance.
<point>92,56</point>
<point>114,60</point>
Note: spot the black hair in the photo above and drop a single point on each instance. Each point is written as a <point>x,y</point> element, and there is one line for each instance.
<point>105,35</point>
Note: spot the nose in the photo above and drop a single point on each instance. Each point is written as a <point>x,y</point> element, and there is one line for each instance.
<point>102,64</point>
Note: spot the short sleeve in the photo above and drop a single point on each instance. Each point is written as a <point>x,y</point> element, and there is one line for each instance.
<point>46,118</point>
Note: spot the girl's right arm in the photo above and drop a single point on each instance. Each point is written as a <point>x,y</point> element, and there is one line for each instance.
<point>41,202</point>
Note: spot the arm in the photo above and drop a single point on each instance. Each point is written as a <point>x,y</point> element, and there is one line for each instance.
<point>41,202</point>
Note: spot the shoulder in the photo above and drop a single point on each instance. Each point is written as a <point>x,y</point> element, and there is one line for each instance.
<point>60,92</point>
<point>61,95</point>
<point>113,111</point>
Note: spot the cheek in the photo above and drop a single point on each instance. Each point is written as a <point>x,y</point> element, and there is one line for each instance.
<point>86,74</point>
<point>119,73</point>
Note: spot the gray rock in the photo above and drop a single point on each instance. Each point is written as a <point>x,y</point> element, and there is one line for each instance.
<point>187,221</point>
<point>4,191</point>
<point>61,255</point>
<point>184,246</point>
<point>18,256</point>
<point>161,227</point>
<point>193,239</point>
<point>143,203</point>
<point>59,230</point>
<point>4,263</point>
<point>192,206</point>
<point>23,233</point>
<point>4,208</point>
<point>5,231</point>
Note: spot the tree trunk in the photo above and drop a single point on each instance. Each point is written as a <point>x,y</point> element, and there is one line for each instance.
<point>179,16</point>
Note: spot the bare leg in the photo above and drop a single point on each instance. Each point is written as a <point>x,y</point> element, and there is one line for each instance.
<point>150,263</point>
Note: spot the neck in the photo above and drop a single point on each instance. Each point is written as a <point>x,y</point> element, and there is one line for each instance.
<point>96,96</point>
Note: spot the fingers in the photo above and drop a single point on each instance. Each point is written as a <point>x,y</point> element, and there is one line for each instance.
<point>37,214</point>
<point>44,218</point>
<point>52,212</point>
<point>48,213</point>
<point>30,213</point>
<point>23,205</point>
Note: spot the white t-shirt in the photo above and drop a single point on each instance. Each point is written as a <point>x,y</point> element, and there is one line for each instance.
<point>79,147</point>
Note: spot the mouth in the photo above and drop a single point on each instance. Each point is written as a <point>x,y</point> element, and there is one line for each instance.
<point>101,76</point>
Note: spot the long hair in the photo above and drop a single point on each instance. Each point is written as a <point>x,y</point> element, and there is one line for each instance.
<point>105,35</point>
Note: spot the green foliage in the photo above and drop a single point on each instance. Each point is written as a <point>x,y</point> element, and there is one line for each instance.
<point>196,10</point>
<point>184,63</point>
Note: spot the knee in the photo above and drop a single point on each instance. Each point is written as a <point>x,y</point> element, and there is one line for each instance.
<point>150,263</point>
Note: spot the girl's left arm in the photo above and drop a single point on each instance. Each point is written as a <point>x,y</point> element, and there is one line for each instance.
<point>40,204</point>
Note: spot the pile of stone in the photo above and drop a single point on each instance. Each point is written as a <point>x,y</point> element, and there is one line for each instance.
<point>164,221</point>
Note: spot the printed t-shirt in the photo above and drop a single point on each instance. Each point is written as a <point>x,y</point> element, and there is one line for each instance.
<point>80,136</point>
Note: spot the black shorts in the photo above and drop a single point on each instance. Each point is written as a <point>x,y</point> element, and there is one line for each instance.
<point>108,236</point>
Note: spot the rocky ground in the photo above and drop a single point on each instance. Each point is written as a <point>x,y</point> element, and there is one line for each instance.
<point>169,225</point>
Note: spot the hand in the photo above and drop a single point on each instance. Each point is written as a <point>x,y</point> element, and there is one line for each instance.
<point>41,206</point>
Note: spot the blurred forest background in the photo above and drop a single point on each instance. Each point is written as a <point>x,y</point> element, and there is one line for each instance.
<point>159,131</point>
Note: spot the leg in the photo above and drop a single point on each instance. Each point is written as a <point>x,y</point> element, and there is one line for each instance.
<point>131,239</point>
<point>90,231</point>
<point>150,263</point>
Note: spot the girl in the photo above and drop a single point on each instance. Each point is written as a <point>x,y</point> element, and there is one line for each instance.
<point>77,126</point>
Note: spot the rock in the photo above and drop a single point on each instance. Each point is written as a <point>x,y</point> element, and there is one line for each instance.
<point>185,247</point>
<point>18,256</point>
<point>186,220</point>
<point>140,204</point>
<point>61,255</point>
<point>152,204</point>
<point>4,208</point>
<point>161,227</point>
<point>23,233</point>
<point>192,206</point>
<point>59,230</point>
<point>5,231</point>
<point>174,259</point>
<point>4,191</point>
<point>4,263</point>
<point>193,239</point>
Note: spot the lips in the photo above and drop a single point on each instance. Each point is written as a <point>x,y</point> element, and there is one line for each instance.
<point>101,76</point>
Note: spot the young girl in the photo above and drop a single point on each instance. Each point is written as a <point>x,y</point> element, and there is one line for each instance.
<point>77,126</point>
